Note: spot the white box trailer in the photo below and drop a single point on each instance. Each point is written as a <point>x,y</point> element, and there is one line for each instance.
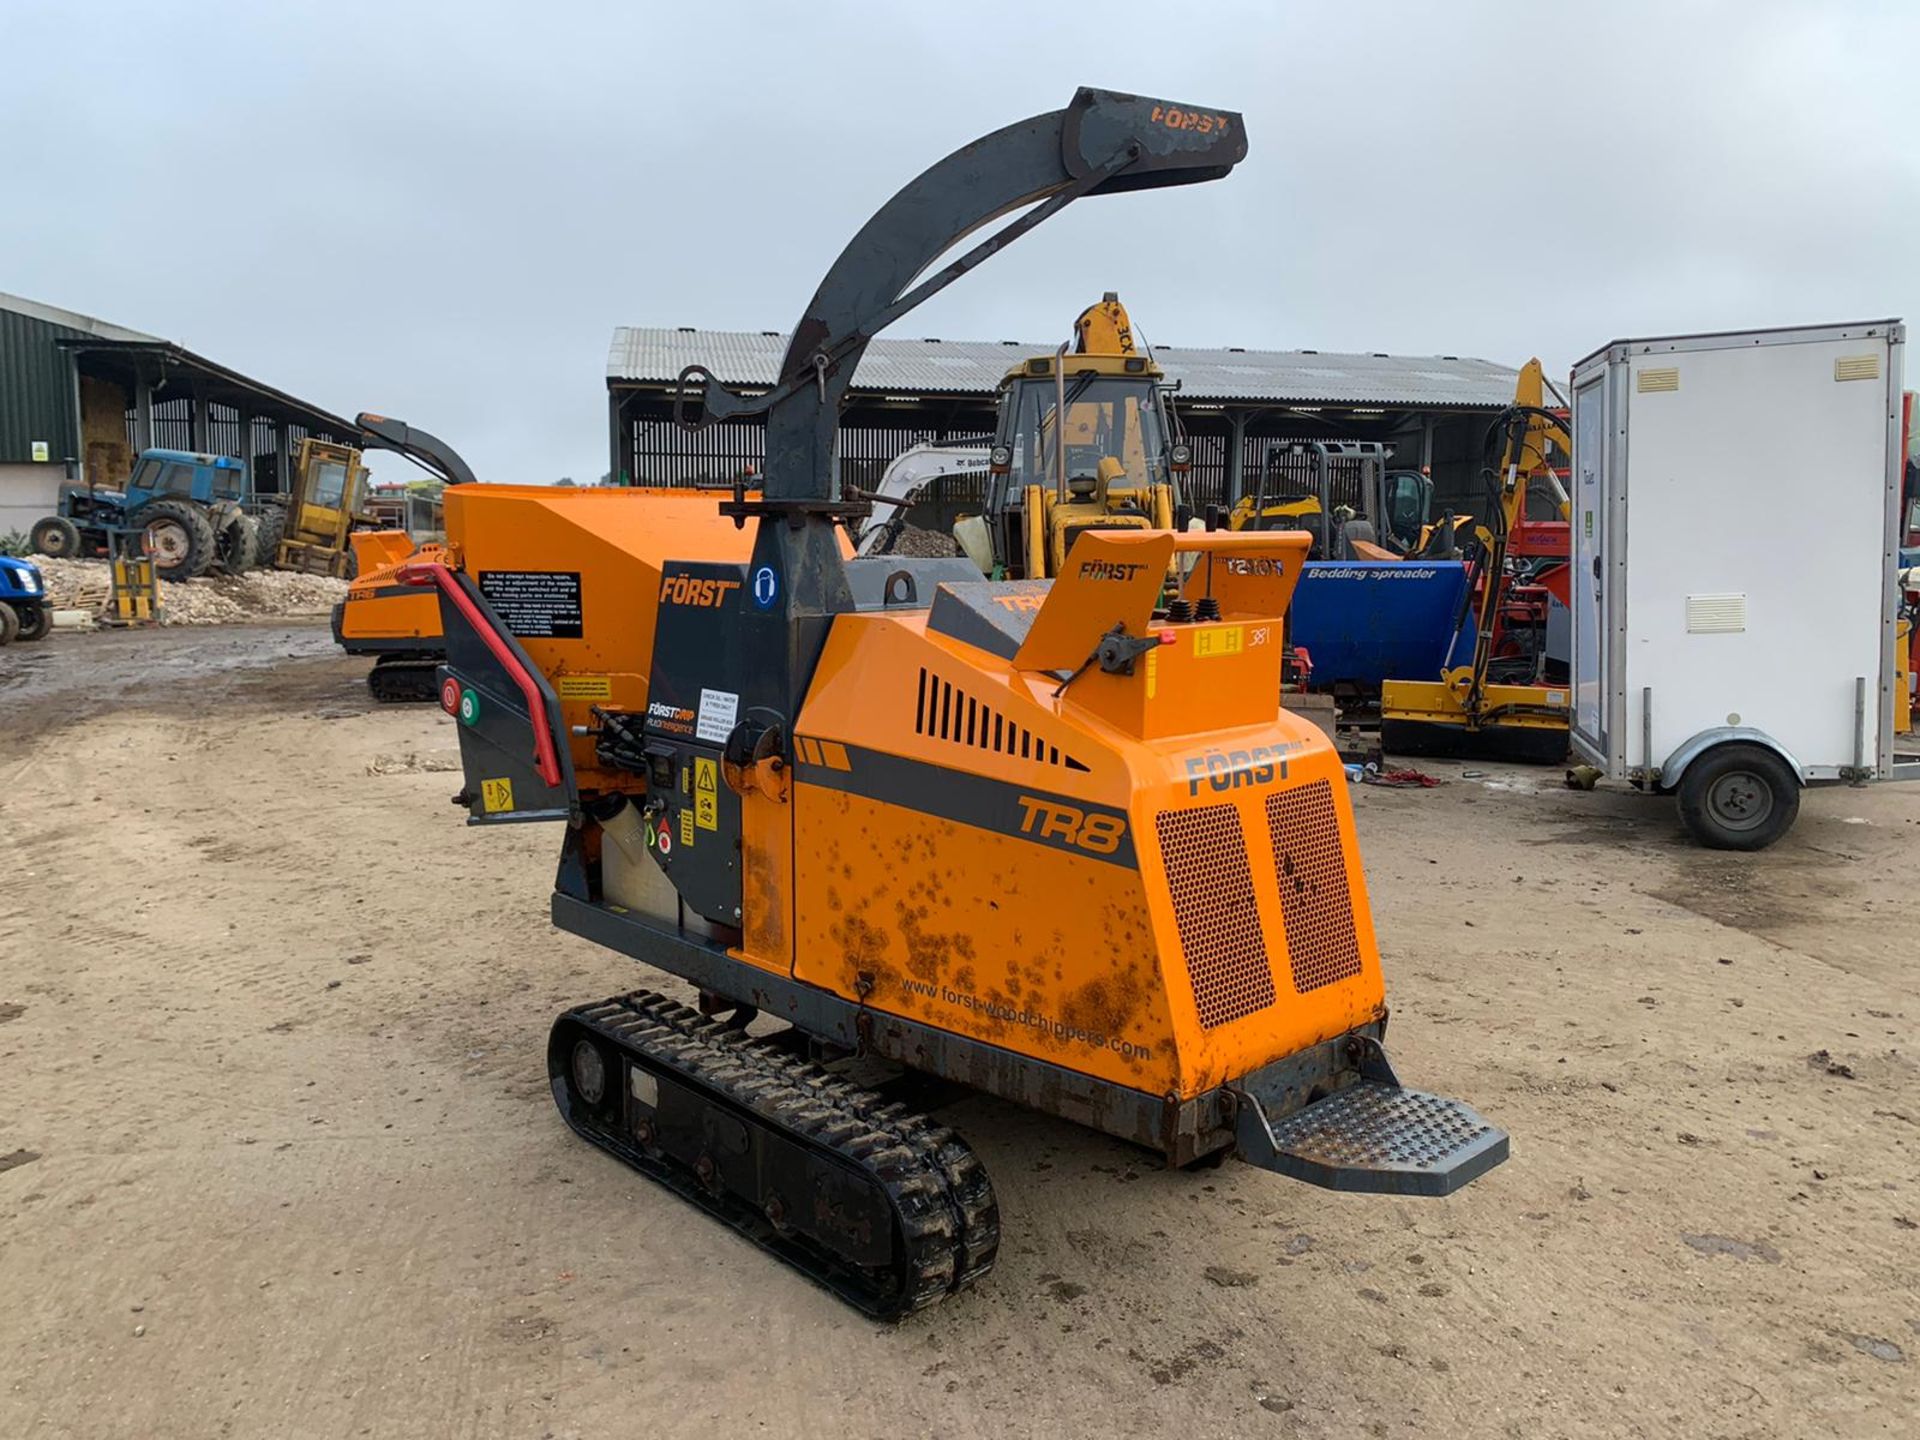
<point>1735,503</point>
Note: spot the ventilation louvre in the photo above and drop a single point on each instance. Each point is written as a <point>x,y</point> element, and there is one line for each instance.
<point>1856,367</point>
<point>1205,854</point>
<point>1311,869</point>
<point>1650,382</point>
<point>1716,614</point>
<point>943,711</point>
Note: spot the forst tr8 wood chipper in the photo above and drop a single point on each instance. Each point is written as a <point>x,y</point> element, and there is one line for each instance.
<point>1032,836</point>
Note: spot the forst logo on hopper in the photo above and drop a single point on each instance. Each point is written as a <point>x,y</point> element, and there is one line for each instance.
<point>1110,570</point>
<point>692,590</point>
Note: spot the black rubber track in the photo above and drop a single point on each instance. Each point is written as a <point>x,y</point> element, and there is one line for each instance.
<point>403,682</point>
<point>926,1186</point>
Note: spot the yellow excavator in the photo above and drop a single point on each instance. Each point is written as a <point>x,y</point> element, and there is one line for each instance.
<point>1468,711</point>
<point>1110,464</point>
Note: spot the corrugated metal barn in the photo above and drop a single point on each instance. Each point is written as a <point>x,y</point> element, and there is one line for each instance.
<point>1234,403</point>
<point>80,397</point>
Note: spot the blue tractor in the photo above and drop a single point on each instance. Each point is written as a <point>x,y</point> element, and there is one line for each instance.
<point>191,513</point>
<point>24,613</point>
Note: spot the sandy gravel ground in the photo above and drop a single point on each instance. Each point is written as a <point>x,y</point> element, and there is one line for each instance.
<point>277,1157</point>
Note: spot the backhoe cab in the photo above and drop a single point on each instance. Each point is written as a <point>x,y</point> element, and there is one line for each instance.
<point>1112,464</point>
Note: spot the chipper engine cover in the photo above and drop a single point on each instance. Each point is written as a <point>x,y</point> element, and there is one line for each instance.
<point>1034,836</point>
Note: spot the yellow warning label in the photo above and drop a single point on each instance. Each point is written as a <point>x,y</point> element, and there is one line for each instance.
<point>1153,672</point>
<point>706,793</point>
<point>496,795</point>
<point>584,687</point>
<point>1210,642</point>
<point>686,827</point>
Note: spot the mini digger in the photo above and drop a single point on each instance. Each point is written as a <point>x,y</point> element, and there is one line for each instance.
<point>1037,837</point>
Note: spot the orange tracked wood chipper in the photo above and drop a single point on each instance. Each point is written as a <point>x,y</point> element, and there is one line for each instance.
<point>1033,836</point>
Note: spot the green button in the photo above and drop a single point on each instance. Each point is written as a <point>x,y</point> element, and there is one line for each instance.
<point>469,708</point>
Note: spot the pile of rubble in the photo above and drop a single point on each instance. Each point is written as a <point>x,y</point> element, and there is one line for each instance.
<point>210,600</point>
<point>899,538</point>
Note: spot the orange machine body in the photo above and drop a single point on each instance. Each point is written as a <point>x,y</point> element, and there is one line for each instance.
<point>1150,878</point>
<point>615,543</point>
<point>381,614</point>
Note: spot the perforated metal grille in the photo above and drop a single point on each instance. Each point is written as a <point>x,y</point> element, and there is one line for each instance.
<point>1205,855</point>
<point>1312,872</point>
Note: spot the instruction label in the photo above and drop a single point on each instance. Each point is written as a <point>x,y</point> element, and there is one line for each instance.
<point>718,709</point>
<point>686,827</point>
<point>706,795</point>
<point>1212,641</point>
<point>584,687</point>
<point>537,604</point>
<point>496,795</point>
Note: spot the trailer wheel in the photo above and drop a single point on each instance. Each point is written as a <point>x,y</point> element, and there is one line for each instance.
<point>178,537</point>
<point>1739,797</point>
<point>56,537</point>
<point>9,624</point>
<point>36,621</point>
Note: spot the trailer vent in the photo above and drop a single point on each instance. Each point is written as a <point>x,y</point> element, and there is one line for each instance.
<point>943,711</point>
<point>1856,367</point>
<point>1716,614</point>
<point>1311,868</point>
<point>1649,382</point>
<point>1205,854</point>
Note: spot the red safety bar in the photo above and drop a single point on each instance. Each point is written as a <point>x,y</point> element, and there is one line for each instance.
<point>545,760</point>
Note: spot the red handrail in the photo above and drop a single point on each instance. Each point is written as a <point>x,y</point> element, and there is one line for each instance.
<point>545,760</point>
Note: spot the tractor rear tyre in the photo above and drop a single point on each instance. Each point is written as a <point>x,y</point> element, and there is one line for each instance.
<point>270,524</point>
<point>178,536</point>
<point>236,548</point>
<point>9,624</point>
<point>56,537</point>
<point>36,621</point>
<point>1739,797</point>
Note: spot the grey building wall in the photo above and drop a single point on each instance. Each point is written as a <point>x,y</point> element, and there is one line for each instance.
<point>27,492</point>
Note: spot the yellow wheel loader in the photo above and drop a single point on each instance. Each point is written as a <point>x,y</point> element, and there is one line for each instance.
<point>1040,837</point>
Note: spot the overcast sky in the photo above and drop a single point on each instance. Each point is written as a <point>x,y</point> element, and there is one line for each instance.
<point>442,211</point>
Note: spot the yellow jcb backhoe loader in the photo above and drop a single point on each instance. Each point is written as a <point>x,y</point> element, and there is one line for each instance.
<point>1109,465</point>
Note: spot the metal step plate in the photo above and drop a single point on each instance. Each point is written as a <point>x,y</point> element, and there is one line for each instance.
<point>1376,1138</point>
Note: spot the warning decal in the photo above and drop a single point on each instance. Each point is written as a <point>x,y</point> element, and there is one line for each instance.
<point>584,687</point>
<point>706,794</point>
<point>496,795</point>
<point>538,604</point>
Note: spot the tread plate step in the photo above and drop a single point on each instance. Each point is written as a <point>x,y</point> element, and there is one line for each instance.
<point>1376,1137</point>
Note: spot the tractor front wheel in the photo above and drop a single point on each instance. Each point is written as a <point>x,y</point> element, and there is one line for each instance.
<point>271,524</point>
<point>178,537</point>
<point>9,623</point>
<point>35,621</point>
<point>237,546</point>
<point>56,537</point>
